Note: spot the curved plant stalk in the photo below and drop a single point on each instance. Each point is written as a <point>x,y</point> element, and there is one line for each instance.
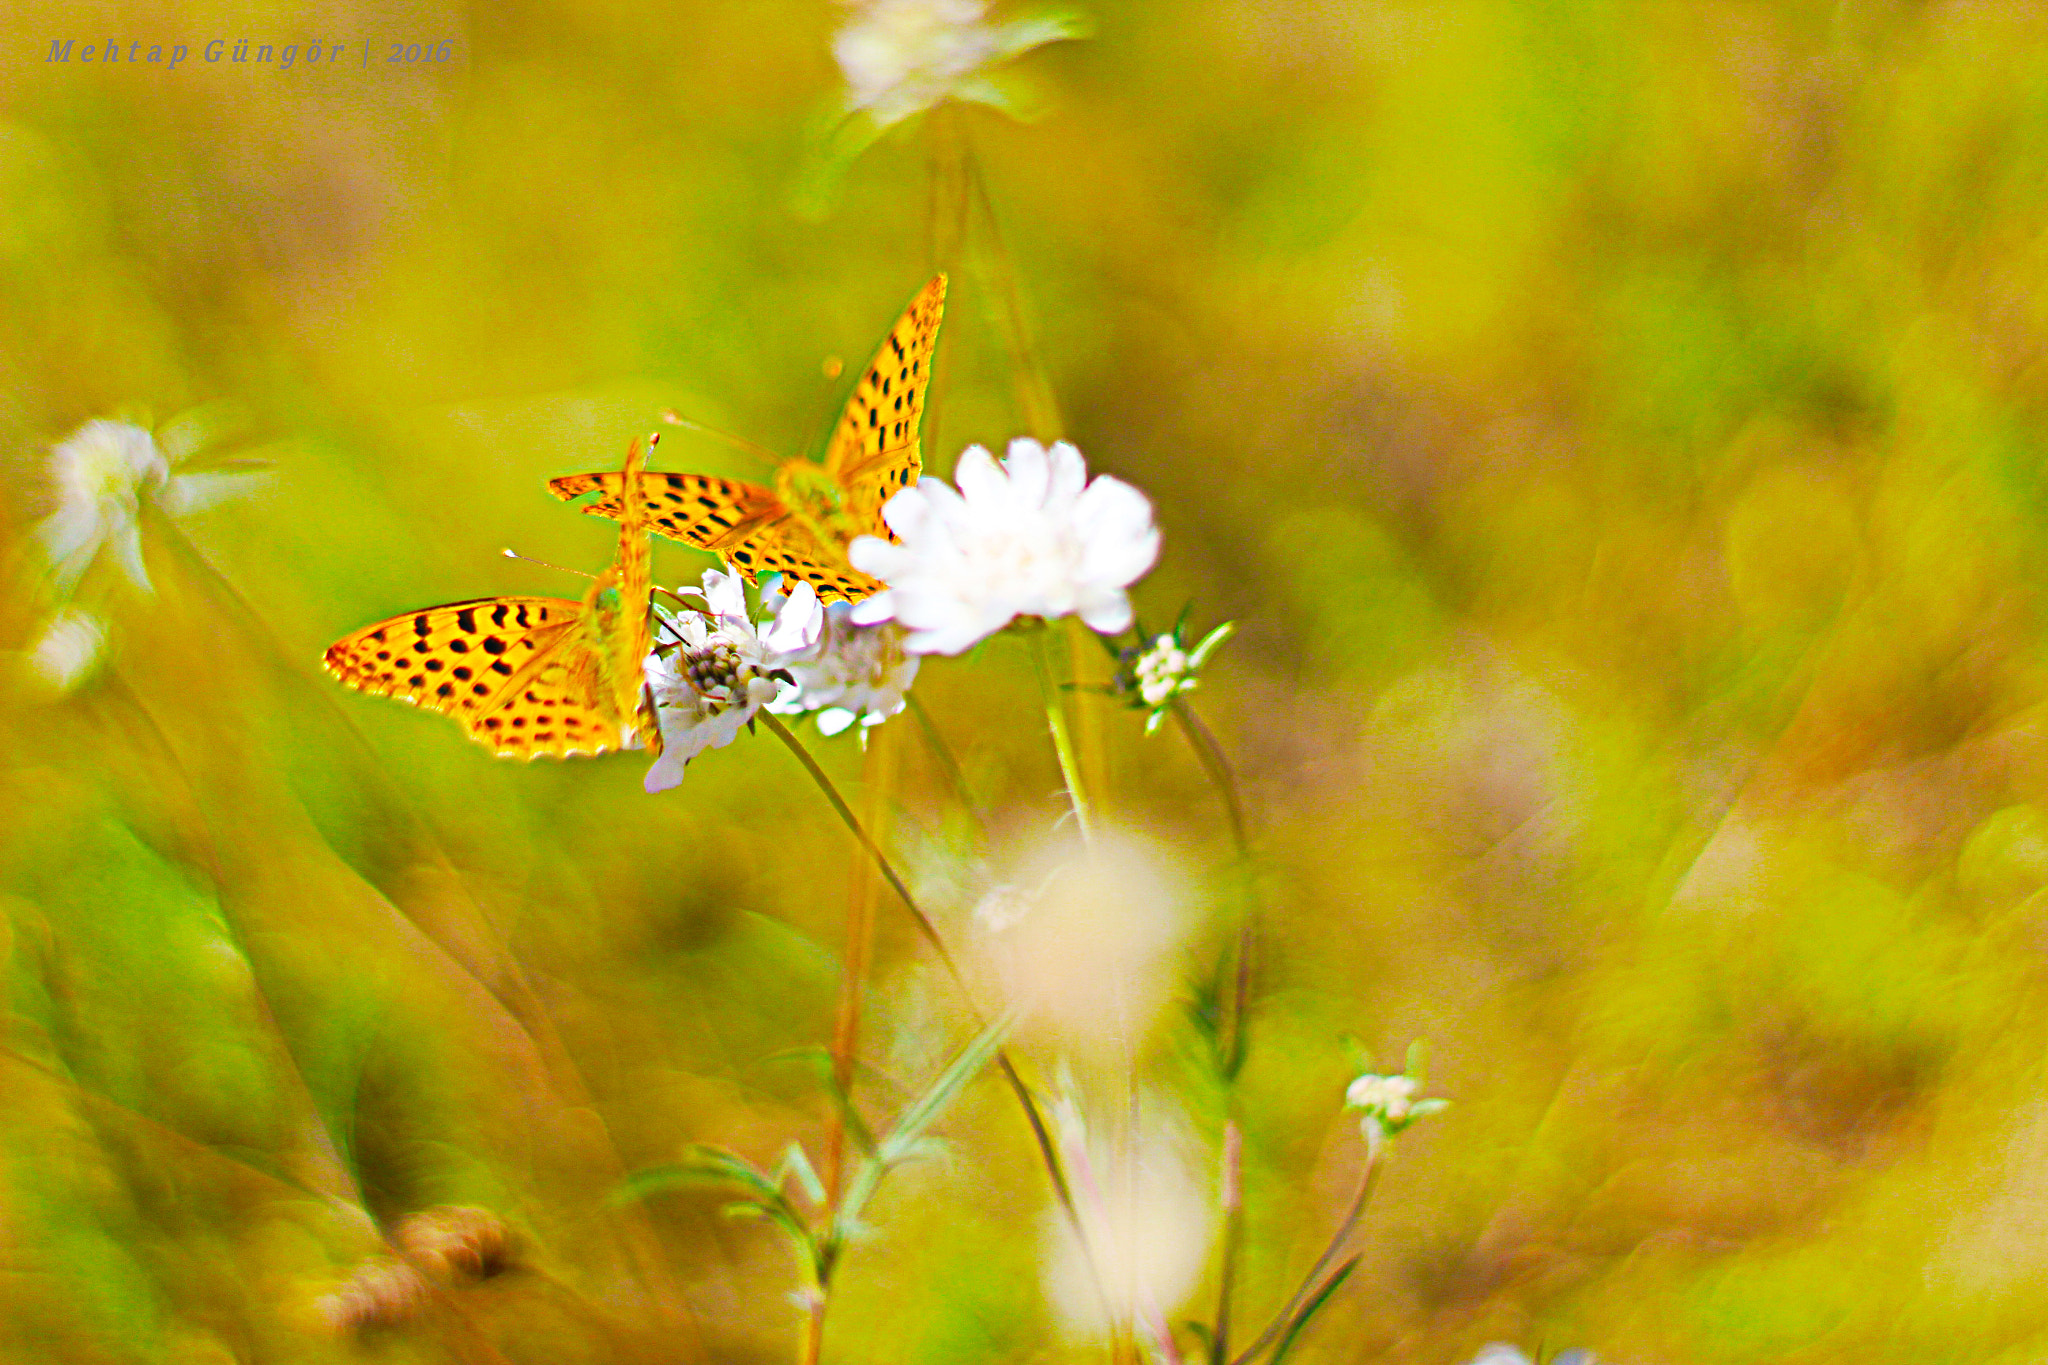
<point>1062,739</point>
<point>942,753</point>
<point>1313,1292</point>
<point>880,765</point>
<point>1041,1134</point>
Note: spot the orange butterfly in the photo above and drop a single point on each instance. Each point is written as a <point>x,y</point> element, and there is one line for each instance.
<point>800,527</point>
<point>526,676</point>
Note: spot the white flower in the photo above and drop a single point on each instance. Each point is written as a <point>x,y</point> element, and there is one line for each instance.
<point>1387,1095</point>
<point>1500,1353</point>
<point>1031,536</point>
<point>70,647</point>
<point>901,57</point>
<point>1146,1225</point>
<point>725,666</point>
<point>103,471</point>
<point>851,673</point>
<point>1154,677</point>
<point>1388,1105</point>
<point>1162,671</point>
<point>1003,908</point>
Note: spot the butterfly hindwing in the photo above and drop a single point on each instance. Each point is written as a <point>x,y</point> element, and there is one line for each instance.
<point>791,555</point>
<point>474,660</point>
<point>698,509</point>
<point>874,449</point>
<point>557,711</point>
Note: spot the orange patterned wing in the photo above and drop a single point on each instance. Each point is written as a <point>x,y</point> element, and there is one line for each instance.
<point>515,672</point>
<point>874,450</point>
<point>789,548</point>
<point>697,509</point>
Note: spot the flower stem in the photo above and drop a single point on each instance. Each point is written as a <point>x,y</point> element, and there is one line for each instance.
<point>860,915</point>
<point>948,763</point>
<point>1232,1201</point>
<point>1048,1153</point>
<point>1366,1180</point>
<point>1210,754</point>
<point>1062,741</point>
<point>860,834</point>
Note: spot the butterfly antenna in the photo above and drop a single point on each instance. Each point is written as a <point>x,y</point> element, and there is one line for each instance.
<point>761,452</point>
<point>510,553</point>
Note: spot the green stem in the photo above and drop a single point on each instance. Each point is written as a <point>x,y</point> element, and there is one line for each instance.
<point>948,763</point>
<point>1047,1152</point>
<point>1366,1180</point>
<point>860,834</point>
<point>1210,753</point>
<point>1062,741</point>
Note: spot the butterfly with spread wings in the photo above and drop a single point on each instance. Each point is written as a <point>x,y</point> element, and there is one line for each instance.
<point>801,527</point>
<point>526,676</point>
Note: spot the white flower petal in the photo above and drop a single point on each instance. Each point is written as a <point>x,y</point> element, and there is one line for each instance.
<point>69,532</point>
<point>1029,470</point>
<point>69,648</point>
<point>1069,472</point>
<point>1107,615</point>
<point>666,772</point>
<point>1029,537</point>
<point>980,478</point>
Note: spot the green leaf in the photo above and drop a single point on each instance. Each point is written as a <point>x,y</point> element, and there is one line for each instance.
<point>912,1122</point>
<point>1199,655</point>
<point>1309,1309</point>
<point>796,1163</point>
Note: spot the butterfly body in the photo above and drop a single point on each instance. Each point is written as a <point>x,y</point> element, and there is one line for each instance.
<point>524,676</point>
<point>802,525</point>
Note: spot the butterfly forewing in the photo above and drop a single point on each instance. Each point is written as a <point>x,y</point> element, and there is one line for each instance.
<point>873,452</point>
<point>874,449</point>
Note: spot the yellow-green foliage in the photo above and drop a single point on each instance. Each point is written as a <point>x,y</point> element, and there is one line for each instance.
<point>1618,431</point>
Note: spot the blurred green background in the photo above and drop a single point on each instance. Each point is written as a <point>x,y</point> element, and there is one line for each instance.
<point>1616,428</point>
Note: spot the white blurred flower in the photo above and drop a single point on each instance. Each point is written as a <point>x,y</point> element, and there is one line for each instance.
<point>1086,941</point>
<point>1387,1104</point>
<point>1003,908</point>
<point>901,57</point>
<point>1148,1220</point>
<point>103,471</point>
<point>1031,536</point>
<point>1500,1353</point>
<point>69,648</point>
<point>725,666</point>
<point>851,673</point>
<point>1387,1095</point>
